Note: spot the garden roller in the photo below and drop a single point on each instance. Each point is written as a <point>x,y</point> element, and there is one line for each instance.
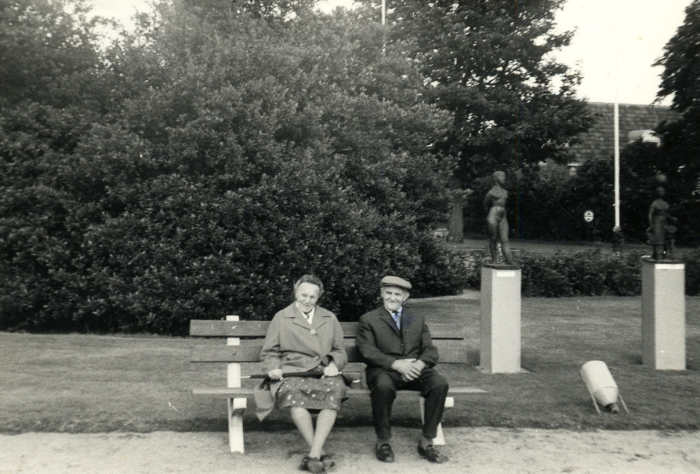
<point>601,386</point>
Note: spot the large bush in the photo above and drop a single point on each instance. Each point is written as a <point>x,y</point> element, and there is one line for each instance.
<point>235,155</point>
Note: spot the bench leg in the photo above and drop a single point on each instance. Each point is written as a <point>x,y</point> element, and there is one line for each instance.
<point>236,408</point>
<point>439,440</point>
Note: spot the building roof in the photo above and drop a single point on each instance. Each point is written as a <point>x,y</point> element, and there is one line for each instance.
<point>599,141</point>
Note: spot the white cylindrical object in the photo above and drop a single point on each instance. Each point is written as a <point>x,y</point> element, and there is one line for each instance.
<point>599,382</point>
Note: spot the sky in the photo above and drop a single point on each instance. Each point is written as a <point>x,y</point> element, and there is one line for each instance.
<point>614,46</point>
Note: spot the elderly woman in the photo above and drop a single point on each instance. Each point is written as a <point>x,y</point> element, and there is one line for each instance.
<point>301,338</point>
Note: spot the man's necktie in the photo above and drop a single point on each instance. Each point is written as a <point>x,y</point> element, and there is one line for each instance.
<point>397,319</point>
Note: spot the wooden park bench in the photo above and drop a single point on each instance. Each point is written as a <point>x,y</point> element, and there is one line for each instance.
<point>244,340</point>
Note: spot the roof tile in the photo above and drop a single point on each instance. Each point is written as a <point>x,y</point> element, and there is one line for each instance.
<point>599,141</point>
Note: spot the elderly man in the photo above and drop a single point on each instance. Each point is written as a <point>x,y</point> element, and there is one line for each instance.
<point>400,355</point>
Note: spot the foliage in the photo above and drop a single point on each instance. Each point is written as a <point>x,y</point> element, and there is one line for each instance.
<point>489,63</point>
<point>580,274</point>
<point>680,60</point>
<point>543,204</point>
<point>681,139</point>
<point>48,53</point>
<point>692,272</point>
<point>592,189</point>
<point>269,10</point>
<point>234,156</point>
<point>560,274</point>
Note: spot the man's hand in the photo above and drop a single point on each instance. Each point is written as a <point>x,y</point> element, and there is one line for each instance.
<point>410,369</point>
<point>275,374</point>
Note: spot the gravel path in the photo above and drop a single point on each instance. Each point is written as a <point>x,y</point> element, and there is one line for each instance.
<point>480,450</point>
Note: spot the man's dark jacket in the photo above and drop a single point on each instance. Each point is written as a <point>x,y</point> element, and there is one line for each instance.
<point>380,342</point>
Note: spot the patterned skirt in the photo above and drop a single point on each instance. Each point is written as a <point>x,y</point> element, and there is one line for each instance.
<point>311,393</point>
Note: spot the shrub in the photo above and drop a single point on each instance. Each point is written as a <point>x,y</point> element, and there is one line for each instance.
<point>252,157</point>
<point>580,274</point>
<point>692,273</point>
<point>545,275</point>
<point>623,275</point>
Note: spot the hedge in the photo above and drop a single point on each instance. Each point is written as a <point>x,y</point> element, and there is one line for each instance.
<point>589,273</point>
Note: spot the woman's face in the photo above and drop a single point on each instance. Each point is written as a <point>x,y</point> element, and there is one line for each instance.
<point>307,296</point>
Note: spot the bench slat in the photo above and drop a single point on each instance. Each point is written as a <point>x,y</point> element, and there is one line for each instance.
<point>353,392</point>
<point>451,352</point>
<point>219,328</point>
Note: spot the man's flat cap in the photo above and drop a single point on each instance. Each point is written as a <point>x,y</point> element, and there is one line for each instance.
<point>395,281</point>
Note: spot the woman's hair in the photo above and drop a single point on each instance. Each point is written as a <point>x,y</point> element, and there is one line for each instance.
<point>313,279</point>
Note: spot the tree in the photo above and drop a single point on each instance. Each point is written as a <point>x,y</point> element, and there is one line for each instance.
<point>49,53</point>
<point>489,63</point>
<point>269,10</point>
<point>681,139</point>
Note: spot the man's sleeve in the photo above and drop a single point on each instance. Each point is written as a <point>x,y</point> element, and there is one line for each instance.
<point>429,353</point>
<point>366,343</point>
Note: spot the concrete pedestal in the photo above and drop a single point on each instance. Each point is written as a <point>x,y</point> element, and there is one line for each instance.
<point>500,319</point>
<point>663,315</point>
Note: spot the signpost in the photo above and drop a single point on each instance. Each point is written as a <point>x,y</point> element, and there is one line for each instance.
<point>588,217</point>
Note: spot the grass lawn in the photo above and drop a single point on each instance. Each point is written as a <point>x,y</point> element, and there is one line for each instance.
<point>89,383</point>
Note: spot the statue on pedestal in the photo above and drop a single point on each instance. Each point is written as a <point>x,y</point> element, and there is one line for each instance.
<point>495,206</point>
<point>662,229</point>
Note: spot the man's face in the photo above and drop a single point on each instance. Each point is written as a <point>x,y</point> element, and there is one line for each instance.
<point>393,297</point>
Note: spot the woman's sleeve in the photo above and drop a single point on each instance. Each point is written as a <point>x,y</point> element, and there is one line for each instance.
<point>270,353</point>
<point>338,353</point>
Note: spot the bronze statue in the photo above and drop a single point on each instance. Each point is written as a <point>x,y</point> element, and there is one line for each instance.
<point>662,230</point>
<point>495,206</point>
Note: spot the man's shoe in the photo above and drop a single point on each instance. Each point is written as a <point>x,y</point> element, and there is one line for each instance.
<point>432,454</point>
<point>385,453</point>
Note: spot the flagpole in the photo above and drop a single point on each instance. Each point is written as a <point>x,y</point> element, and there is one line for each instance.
<point>617,127</point>
<point>617,163</point>
<point>383,29</point>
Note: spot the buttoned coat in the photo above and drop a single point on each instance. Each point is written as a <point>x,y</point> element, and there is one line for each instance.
<point>380,342</point>
<point>291,344</point>
<point>294,345</point>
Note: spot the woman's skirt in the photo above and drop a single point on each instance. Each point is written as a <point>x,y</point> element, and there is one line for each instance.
<point>311,393</point>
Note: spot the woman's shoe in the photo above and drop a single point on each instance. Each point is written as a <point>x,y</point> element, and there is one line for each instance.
<point>328,463</point>
<point>304,464</point>
<point>315,465</point>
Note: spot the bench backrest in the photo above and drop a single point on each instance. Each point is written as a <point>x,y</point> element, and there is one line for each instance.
<point>448,338</point>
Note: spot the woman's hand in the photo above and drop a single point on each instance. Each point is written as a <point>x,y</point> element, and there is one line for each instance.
<point>275,374</point>
<point>331,370</point>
